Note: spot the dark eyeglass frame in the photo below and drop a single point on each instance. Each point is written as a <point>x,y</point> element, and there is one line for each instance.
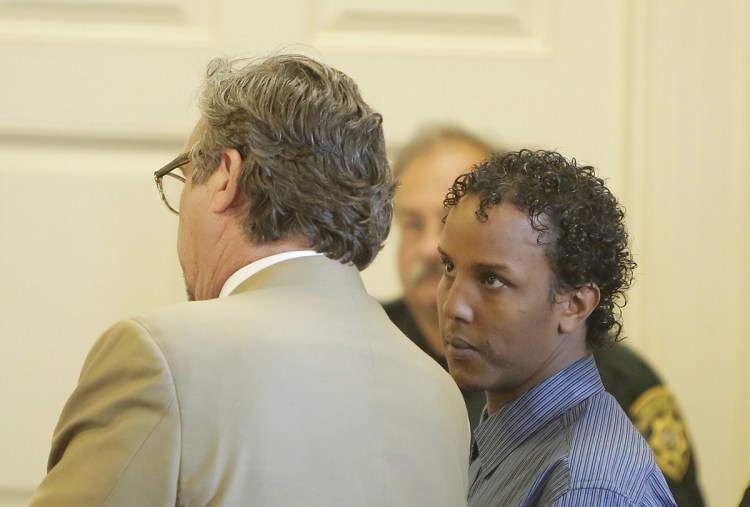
<point>178,162</point>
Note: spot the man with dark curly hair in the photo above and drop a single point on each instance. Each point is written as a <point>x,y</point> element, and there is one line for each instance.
<point>425,168</point>
<point>281,382</point>
<point>535,268</point>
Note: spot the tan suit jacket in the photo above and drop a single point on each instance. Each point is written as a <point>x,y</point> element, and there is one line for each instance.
<point>296,390</point>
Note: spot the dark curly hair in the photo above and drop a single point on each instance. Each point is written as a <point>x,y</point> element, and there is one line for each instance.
<point>583,220</point>
<point>314,160</point>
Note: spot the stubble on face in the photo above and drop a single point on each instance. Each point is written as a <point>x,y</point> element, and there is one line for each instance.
<point>188,289</point>
<point>496,318</point>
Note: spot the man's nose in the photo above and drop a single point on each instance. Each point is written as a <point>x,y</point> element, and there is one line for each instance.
<point>457,300</point>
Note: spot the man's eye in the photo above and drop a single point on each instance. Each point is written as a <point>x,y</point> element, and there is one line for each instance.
<point>411,225</point>
<point>448,267</point>
<point>493,281</point>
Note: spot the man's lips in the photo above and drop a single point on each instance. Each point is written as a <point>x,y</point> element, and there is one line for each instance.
<point>459,348</point>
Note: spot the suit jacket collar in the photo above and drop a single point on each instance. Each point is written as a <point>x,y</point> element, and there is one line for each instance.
<point>314,271</point>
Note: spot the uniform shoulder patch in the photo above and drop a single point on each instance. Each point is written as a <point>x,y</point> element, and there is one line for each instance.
<point>656,416</point>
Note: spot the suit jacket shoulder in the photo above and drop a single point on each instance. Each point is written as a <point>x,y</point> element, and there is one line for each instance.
<point>298,376</point>
<point>119,430</point>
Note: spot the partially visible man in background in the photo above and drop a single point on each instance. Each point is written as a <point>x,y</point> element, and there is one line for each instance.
<point>426,168</point>
<point>281,382</point>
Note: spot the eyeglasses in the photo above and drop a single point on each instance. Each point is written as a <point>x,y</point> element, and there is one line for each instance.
<point>170,189</point>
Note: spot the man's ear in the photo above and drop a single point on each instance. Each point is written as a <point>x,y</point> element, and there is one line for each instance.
<point>226,181</point>
<point>578,305</point>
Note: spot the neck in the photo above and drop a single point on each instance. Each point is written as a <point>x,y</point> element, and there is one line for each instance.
<point>232,256</point>
<point>571,349</point>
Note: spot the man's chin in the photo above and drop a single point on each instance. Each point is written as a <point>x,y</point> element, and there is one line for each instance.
<point>466,380</point>
<point>468,384</point>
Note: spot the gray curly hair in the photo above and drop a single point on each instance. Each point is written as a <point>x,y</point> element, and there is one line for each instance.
<point>314,159</point>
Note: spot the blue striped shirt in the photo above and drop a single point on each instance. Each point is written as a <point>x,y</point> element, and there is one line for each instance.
<point>565,442</point>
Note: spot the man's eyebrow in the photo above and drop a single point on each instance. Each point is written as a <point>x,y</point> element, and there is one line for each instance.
<point>482,266</point>
<point>406,211</point>
<point>493,267</point>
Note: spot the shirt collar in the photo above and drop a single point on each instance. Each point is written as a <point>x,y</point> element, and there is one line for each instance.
<point>499,434</point>
<point>246,272</point>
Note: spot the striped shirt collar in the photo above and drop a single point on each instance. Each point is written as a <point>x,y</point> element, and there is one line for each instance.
<point>499,434</point>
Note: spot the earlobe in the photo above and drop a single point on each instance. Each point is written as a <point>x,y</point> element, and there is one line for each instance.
<point>227,181</point>
<point>579,303</point>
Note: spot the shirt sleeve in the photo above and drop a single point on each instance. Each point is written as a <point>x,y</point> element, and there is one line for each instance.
<point>118,438</point>
<point>654,494</point>
<point>652,408</point>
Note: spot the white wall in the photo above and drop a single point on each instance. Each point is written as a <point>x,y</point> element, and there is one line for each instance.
<point>96,95</point>
<point>688,158</point>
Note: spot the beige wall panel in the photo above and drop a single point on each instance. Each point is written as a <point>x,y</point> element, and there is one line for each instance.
<point>537,82</point>
<point>117,69</point>
<point>688,184</point>
<point>568,95</point>
<point>106,21</point>
<point>430,27</point>
<point>83,242</point>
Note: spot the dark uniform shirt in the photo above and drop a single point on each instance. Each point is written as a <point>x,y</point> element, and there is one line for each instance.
<point>636,387</point>
<point>745,502</point>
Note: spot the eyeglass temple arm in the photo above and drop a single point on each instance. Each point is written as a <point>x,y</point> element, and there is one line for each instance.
<point>179,161</point>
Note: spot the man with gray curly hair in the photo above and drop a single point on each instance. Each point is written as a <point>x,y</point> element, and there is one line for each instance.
<point>280,381</point>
